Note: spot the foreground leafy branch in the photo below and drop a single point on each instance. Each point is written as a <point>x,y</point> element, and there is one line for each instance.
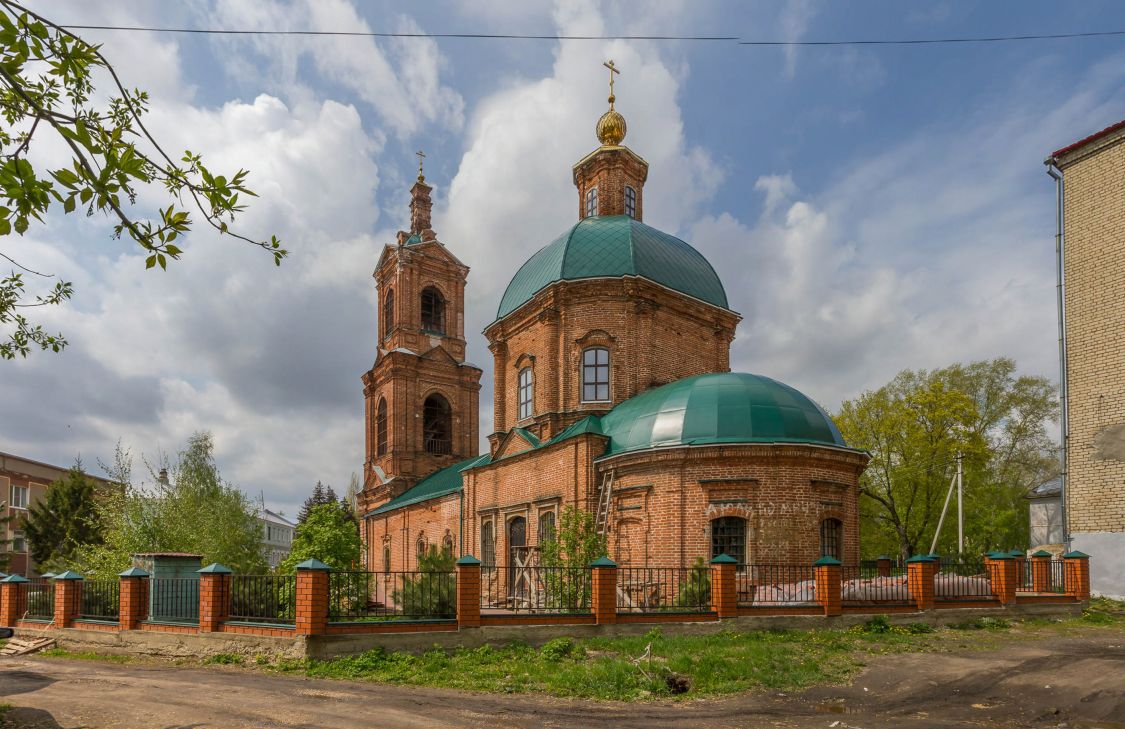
<point>47,84</point>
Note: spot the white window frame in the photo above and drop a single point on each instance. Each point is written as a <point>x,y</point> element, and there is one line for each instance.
<point>592,201</point>
<point>26,491</point>
<point>631,202</point>
<point>19,535</point>
<point>526,393</point>
<point>596,383</point>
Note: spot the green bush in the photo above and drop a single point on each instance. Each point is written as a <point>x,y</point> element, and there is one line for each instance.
<point>226,659</point>
<point>433,592</point>
<point>918,628</point>
<point>695,591</point>
<point>559,648</point>
<point>879,624</point>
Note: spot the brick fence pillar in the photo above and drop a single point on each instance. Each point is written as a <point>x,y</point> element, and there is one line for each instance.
<point>133,598</point>
<point>604,602</point>
<point>920,572</point>
<point>1077,574</point>
<point>13,599</point>
<point>1041,571</point>
<point>724,588</point>
<point>214,597</point>
<point>883,566</point>
<point>68,598</point>
<point>828,586</point>
<point>1003,573</point>
<point>312,597</point>
<point>468,592</point>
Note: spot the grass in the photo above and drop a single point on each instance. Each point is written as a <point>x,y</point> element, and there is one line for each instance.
<point>5,708</point>
<point>86,655</point>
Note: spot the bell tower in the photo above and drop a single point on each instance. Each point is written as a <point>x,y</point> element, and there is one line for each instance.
<point>421,397</point>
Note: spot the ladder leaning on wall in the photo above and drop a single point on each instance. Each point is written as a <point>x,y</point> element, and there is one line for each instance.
<point>605,500</point>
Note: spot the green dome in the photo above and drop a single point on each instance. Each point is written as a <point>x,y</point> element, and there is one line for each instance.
<point>615,245</point>
<point>726,407</point>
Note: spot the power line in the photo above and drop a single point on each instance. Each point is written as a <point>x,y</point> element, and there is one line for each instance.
<point>518,36</point>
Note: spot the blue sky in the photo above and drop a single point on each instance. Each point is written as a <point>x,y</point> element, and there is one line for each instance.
<point>869,208</point>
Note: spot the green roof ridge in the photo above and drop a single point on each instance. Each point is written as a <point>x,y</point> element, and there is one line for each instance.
<point>440,483</point>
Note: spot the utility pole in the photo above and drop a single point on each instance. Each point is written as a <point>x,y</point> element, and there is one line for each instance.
<point>960,511</point>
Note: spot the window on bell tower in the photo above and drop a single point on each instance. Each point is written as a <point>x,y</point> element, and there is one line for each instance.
<point>591,202</point>
<point>388,312</point>
<point>630,202</point>
<point>381,428</point>
<point>437,425</point>
<point>433,310</point>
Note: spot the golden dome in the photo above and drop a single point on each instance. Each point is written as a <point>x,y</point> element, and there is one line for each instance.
<point>611,127</point>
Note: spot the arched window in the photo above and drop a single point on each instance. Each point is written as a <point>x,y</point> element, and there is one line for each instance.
<point>420,548</point>
<point>832,539</point>
<point>447,543</point>
<point>433,310</point>
<point>630,202</point>
<point>591,202</point>
<point>728,536</point>
<point>381,427</point>
<point>388,312</point>
<point>526,393</point>
<point>546,527</point>
<point>437,425</point>
<point>387,557</point>
<point>487,545</point>
<point>595,374</point>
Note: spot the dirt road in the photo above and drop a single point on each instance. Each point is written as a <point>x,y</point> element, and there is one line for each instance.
<point>1054,682</point>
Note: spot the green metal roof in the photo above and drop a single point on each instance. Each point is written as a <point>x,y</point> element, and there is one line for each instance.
<point>440,483</point>
<point>612,246</point>
<point>726,407</point>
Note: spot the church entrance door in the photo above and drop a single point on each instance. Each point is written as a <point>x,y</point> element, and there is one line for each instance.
<point>517,543</point>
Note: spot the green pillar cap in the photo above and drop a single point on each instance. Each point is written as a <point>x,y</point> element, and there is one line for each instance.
<point>881,557</point>
<point>314,564</point>
<point>134,572</point>
<point>1076,555</point>
<point>214,569</point>
<point>603,561</point>
<point>1042,553</point>
<point>724,559</point>
<point>827,561</point>
<point>999,555</point>
<point>468,559</point>
<point>15,578</point>
<point>1017,553</point>
<point>3,575</point>
<point>919,558</point>
<point>69,575</point>
<point>48,575</point>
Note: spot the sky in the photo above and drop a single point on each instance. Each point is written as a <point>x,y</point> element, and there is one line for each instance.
<point>869,208</point>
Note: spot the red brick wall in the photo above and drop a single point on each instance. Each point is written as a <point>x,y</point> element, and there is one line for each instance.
<point>432,520</point>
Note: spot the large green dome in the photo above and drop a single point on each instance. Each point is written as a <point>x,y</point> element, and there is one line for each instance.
<point>613,246</point>
<point>726,407</point>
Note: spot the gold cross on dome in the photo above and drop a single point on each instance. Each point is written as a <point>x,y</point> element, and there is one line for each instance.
<point>421,156</point>
<point>612,70</point>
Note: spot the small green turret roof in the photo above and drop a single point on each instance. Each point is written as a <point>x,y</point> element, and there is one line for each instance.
<point>611,246</point>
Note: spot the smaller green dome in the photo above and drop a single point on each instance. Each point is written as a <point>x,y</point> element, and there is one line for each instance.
<point>611,246</point>
<point>725,407</point>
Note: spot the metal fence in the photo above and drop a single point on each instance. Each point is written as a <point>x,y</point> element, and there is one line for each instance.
<point>1055,576</point>
<point>962,581</point>
<point>375,596</point>
<point>869,568</point>
<point>174,599</point>
<point>40,600</point>
<point>101,600</point>
<point>663,589</point>
<point>860,586</point>
<point>769,585</point>
<point>536,589</point>
<point>263,598</point>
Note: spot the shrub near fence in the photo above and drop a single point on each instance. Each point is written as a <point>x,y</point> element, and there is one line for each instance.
<point>772,585</point>
<point>101,600</point>
<point>376,596</point>
<point>263,599</point>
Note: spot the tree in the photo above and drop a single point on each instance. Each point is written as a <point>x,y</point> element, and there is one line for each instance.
<point>47,85</point>
<point>915,426</point>
<point>321,495</point>
<point>196,511</point>
<point>575,545</point>
<point>67,519</point>
<point>328,535</point>
<point>6,521</point>
<point>432,592</point>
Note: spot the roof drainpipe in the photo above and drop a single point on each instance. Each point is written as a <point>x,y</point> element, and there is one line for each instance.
<point>1064,425</point>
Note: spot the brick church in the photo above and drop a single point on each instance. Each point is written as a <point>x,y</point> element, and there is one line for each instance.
<point>613,393</point>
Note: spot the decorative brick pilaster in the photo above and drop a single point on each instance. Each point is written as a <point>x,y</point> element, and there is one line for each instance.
<point>133,598</point>
<point>883,566</point>
<point>13,599</point>
<point>1041,571</point>
<point>604,603</point>
<point>468,592</point>
<point>724,589</point>
<point>920,581</point>
<point>1076,566</point>
<point>828,585</point>
<point>1003,572</point>
<point>312,597</point>
<point>68,598</point>
<point>214,597</point>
